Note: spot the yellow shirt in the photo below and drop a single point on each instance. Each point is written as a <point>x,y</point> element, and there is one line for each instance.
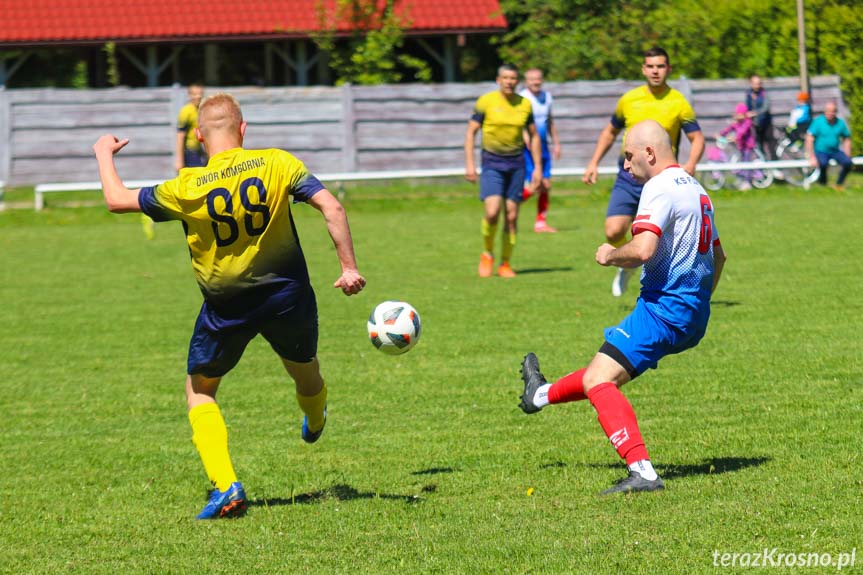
<point>503,122</point>
<point>670,109</point>
<point>236,212</point>
<point>187,121</point>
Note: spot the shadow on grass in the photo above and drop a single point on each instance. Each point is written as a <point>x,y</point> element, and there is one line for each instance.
<point>434,471</point>
<point>725,303</point>
<point>340,492</point>
<point>711,466</point>
<point>522,271</point>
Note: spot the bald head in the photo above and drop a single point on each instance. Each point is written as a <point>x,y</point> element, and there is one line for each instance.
<point>830,110</point>
<point>647,150</point>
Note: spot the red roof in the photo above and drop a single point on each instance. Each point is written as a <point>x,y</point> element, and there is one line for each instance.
<point>34,22</point>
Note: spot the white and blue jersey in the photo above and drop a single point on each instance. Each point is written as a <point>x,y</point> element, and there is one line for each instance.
<point>541,106</point>
<point>674,305</point>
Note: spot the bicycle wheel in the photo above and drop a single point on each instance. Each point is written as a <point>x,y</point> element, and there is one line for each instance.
<point>761,177</point>
<point>794,150</point>
<point>713,180</point>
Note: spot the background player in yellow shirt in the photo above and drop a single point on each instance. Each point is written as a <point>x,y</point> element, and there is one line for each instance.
<point>248,263</point>
<point>188,151</point>
<point>655,101</point>
<point>503,117</point>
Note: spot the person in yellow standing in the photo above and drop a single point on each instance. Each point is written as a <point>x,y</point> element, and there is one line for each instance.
<point>188,151</point>
<point>503,116</point>
<point>247,259</point>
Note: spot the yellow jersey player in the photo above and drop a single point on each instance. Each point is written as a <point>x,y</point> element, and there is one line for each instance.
<point>236,213</point>
<point>654,101</point>
<point>503,117</point>
<point>188,151</point>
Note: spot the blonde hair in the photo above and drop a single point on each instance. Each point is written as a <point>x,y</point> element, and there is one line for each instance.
<point>219,113</point>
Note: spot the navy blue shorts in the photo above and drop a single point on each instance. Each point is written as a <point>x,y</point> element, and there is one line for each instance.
<point>292,333</point>
<point>642,339</point>
<point>624,195</point>
<point>194,159</point>
<point>508,183</point>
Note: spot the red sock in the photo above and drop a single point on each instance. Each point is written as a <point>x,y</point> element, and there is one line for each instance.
<point>617,419</point>
<point>542,205</point>
<point>568,388</point>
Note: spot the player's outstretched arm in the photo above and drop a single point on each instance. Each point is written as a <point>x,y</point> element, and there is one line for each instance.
<point>552,129</point>
<point>603,144</point>
<point>350,281</point>
<point>469,139</point>
<point>536,154</point>
<point>631,254</point>
<point>118,197</point>
<point>696,149</point>
<point>719,258</point>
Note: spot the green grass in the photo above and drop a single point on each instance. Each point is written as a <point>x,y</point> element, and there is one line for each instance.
<point>426,463</point>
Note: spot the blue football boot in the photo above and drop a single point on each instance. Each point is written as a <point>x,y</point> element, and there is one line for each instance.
<point>227,504</point>
<point>312,436</point>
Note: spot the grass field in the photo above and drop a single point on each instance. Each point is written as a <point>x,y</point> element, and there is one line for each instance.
<point>427,465</point>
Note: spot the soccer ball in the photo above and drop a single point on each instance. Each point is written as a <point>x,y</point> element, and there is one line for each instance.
<point>394,327</point>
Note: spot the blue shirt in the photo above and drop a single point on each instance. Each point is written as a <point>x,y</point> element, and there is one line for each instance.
<point>828,136</point>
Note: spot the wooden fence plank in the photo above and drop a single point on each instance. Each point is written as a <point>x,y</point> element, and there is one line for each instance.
<point>51,131</point>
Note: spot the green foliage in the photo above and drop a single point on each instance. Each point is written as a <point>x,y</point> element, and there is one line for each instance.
<point>426,463</point>
<point>562,37</point>
<point>603,40</point>
<point>110,50</point>
<point>370,53</point>
<point>838,33</point>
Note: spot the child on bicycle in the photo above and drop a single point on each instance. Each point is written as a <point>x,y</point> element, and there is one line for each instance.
<point>799,118</point>
<point>744,139</point>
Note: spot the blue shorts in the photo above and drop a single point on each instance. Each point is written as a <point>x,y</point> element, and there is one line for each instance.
<point>642,339</point>
<point>194,158</point>
<point>508,183</point>
<point>292,333</point>
<point>528,166</point>
<point>624,195</point>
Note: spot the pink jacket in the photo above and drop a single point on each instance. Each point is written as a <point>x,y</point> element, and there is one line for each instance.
<point>744,134</point>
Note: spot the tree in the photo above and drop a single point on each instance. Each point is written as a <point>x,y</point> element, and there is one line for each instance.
<point>603,39</point>
<point>362,39</point>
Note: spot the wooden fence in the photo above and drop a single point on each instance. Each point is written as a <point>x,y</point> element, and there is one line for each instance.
<point>47,134</point>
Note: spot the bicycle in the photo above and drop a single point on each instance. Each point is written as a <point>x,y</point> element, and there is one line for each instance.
<point>792,147</point>
<point>715,179</point>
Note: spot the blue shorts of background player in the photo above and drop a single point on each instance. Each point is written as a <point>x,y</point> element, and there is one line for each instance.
<point>501,176</point>
<point>642,339</point>
<point>624,195</point>
<point>194,158</point>
<point>218,343</point>
<point>528,165</point>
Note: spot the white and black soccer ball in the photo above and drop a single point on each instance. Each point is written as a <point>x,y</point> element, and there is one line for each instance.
<point>394,327</point>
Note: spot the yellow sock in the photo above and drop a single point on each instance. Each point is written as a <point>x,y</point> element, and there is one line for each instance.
<point>211,439</point>
<point>508,246</point>
<point>488,232</point>
<point>313,406</point>
<point>619,242</point>
<point>149,226</point>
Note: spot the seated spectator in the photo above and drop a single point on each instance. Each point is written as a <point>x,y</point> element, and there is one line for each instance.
<point>828,138</point>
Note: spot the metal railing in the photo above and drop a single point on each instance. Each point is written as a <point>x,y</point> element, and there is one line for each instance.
<point>338,178</point>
